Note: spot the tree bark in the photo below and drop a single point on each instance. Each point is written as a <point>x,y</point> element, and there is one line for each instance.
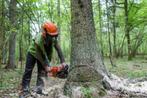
<point>1,29</point>
<point>12,37</point>
<point>127,29</point>
<point>59,14</point>
<point>87,68</point>
<point>20,39</point>
<point>114,26</point>
<point>109,35</point>
<point>100,27</point>
<point>50,7</point>
<point>29,32</point>
<point>21,42</point>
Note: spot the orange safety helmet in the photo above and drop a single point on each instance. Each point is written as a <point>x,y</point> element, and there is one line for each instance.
<point>50,27</point>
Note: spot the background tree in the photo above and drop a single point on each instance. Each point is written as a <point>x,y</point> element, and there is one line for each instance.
<point>127,29</point>
<point>109,33</point>
<point>100,26</point>
<point>1,28</point>
<point>12,37</point>
<point>114,26</point>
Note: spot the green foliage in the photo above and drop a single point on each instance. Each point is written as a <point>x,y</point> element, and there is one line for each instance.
<point>137,73</point>
<point>87,92</point>
<point>10,78</point>
<point>129,69</point>
<point>33,12</point>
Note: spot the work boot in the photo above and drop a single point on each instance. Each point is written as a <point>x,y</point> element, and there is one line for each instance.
<point>40,91</point>
<point>40,84</point>
<point>24,93</point>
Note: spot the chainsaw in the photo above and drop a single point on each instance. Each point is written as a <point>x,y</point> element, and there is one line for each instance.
<point>59,71</point>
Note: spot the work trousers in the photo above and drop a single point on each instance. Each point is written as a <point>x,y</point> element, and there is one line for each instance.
<point>30,63</point>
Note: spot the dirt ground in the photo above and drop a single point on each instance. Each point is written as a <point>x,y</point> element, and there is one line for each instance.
<point>127,69</point>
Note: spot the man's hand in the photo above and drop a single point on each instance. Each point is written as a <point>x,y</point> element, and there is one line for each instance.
<point>53,70</point>
<point>47,69</point>
<point>63,64</point>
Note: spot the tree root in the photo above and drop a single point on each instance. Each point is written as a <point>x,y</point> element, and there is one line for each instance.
<point>136,88</point>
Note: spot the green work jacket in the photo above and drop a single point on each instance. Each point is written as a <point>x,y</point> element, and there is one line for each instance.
<point>40,49</point>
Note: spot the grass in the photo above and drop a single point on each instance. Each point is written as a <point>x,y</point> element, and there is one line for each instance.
<point>128,69</point>
<point>11,79</point>
<point>135,68</point>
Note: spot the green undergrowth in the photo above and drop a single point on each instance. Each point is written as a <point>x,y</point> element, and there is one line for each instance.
<point>11,78</point>
<point>135,68</point>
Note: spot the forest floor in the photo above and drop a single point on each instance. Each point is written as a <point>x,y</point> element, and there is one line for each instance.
<point>10,79</point>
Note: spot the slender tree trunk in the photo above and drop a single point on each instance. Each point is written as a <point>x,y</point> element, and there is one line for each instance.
<point>29,31</point>
<point>114,27</point>
<point>20,50</point>
<point>50,7</point>
<point>4,55</point>
<point>109,35</point>
<point>4,49</point>
<point>100,28</point>
<point>127,30</point>
<point>87,68</point>
<point>1,29</point>
<point>20,41</point>
<point>59,14</point>
<point>58,24</point>
<point>12,37</point>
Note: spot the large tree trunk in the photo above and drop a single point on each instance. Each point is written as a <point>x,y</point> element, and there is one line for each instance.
<point>12,37</point>
<point>87,68</point>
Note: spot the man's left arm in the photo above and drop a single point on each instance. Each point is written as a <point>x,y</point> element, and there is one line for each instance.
<point>62,71</point>
<point>59,51</point>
